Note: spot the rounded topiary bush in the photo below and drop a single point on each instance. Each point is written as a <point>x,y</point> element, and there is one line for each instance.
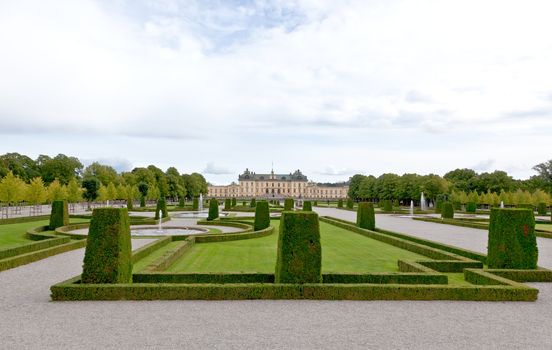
<point>366,217</point>
<point>262,216</point>
<point>195,203</point>
<point>471,207</point>
<point>299,256</point>
<point>213,209</point>
<point>108,255</point>
<point>447,211</point>
<point>253,203</point>
<point>288,204</point>
<point>161,207</point>
<point>307,206</point>
<point>542,209</point>
<point>512,241</point>
<point>59,215</point>
<point>227,204</point>
<point>350,203</point>
<point>339,203</point>
<point>387,205</point>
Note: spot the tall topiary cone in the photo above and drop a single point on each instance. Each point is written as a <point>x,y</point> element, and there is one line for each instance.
<point>161,207</point>
<point>350,203</point>
<point>227,204</point>
<point>181,202</point>
<point>366,217</point>
<point>59,215</point>
<point>213,209</point>
<point>262,216</point>
<point>253,203</point>
<point>339,203</point>
<point>512,240</point>
<point>130,204</point>
<point>288,204</point>
<point>438,207</point>
<point>108,255</point>
<point>234,202</point>
<point>542,209</point>
<point>447,210</point>
<point>195,203</point>
<point>307,206</point>
<point>471,207</point>
<point>299,257</point>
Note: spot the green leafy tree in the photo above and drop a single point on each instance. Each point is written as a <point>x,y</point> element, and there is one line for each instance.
<point>104,173</point>
<point>12,189</point>
<point>56,191</point>
<point>91,187</point>
<point>36,192</point>
<point>60,167</point>
<point>74,191</point>
<point>354,186</point>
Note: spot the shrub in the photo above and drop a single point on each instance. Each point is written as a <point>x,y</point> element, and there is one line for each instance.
<point>447,211</point>
<point>253,203</point>
<point>213,209</point>
<point>366,217</point>
<point>142,202</point>
<point>161,207</point>
<point>195,203</point>
<point>339,203</point>
<point>438,207</point>
<point>315,203</point>
<point>307,206</point>
<point>262,216</point>
<point>542,209</point>
<point>108,256</point>
<point>227,204</point>
<point>181,202</point>
<point>471,207</point>
<point>243,203</point>
<point>350,203</point>
<point>387,206</point>
<point>299,250</point>
<point>129,204</point>
<point>234,202</point>
<point>512,241</point>
<point>59,215</point>
<point>457,206</point>
<point>288,204</point>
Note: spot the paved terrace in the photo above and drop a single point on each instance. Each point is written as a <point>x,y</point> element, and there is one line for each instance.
<point>29,320</point>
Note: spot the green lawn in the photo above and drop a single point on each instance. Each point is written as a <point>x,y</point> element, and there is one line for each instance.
<point>142,263</point>
<point>13,235</point>
<point>342,251</point>
<point>544,227</point>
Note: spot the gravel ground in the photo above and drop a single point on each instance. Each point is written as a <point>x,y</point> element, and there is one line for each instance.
<point>29,320</point>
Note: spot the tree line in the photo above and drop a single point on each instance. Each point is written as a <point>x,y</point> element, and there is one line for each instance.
<point>460,185</point>
<point>62,177</point>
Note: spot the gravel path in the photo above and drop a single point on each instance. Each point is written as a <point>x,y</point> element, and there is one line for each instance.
<point>28,320</point>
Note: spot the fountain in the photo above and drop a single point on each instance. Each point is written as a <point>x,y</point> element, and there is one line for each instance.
<point>501,204</point>
<point>200,202</point>
<point>422,202</point>
<point>411,208</point>
<point>159,229</point>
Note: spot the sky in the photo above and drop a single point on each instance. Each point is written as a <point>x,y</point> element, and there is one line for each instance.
<point>332,88</point>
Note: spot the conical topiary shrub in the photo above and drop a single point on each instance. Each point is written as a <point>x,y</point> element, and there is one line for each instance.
<point>213,209</point>
<point>366,217</point>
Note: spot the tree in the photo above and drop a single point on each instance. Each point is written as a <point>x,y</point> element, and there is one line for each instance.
<point>495,182</point>
<point>36,191</point>
<point>60,167</point>
<point>111,191</point>
<point>354,186</point>
<point>462,179</point>
<point>386,186</point>
<point>74,191</point>
<point>12,189</point>
<point>434,185</point>
<point>20,165</point>
<point>175,184</point>
<point>104,173</point>
<point>544,171</point>
<point>91,186</point>
<point>103,194</point>
<point>409,187</point>
<point>366,189</point>
<point>56,191</point>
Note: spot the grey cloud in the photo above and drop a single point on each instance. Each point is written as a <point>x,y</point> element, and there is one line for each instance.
<point>118,164</point>
<point>330,171</point>
<point>483,165</point>
<point>214,169</point>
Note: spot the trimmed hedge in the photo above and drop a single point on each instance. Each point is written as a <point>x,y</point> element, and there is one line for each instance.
<point>253,203</point>
<point>46,241</point>
<point>387,205</point>
<point>234,202</point>
<point>447,211</point>
<point>288,204</point>
<point>262,216</point>
<point>307,206</point>
<point>23,219</point>
<point>438,206</point>
<point>299,250</point>
<point>542,209</point>
<point>366,217</point>
<point>350,203</point>
<point>107,258</point>
<point>225,237</point>
<point>227,204</point>
<point>195,203</point>
<point>512,240</point>
<point>315,203</point>
<point>161,207</point>
<point>59,215</point>
<point>538,275</point>
<point>471,207</point>
<point>129,204</point>
<point>28,258</point>
<point>72,290</point>
<point>386,278</point>
<point>339,203</point>
<point>213,209</point>
<point>170,256</point>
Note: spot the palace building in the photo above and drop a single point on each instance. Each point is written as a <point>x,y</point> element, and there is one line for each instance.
<point>293,185</point>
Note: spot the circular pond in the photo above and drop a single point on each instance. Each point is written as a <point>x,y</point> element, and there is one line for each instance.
<point>194,214</point>
<point>166,231</point>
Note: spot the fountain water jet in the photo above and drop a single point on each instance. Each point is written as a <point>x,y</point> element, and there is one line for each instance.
<point>411,208</point>
<point>200,202</point>
<point>422,202</point>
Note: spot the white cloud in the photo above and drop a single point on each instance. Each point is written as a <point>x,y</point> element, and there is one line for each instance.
<point>213,169</point>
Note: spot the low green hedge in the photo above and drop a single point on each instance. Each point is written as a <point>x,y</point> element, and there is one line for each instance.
<point>73,290</point>
<point>44,243</point>
<point>538,275</point>
<point>385,278</point>
<point>146,250</point>
<point>23,219</point>
<point>225,237</point>
<point>170,256</point>
<point>28,258</point>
